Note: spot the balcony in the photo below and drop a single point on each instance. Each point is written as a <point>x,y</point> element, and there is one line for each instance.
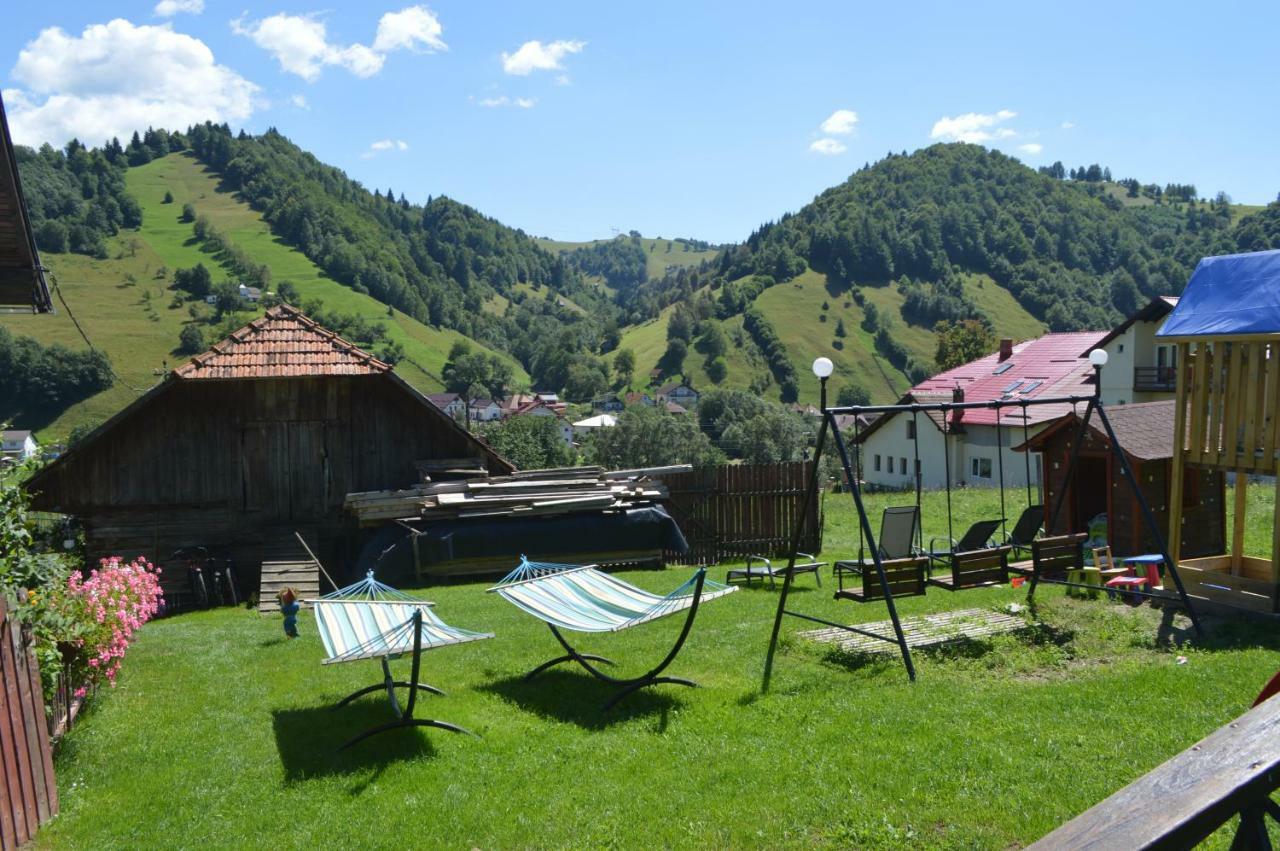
<point>1155,379</point>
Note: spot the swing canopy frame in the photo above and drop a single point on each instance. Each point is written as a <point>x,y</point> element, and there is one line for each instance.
<point>985,564</point>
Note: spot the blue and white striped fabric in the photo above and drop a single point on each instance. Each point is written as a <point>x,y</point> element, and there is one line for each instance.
<point>369,620</point>
<point>586,599</point>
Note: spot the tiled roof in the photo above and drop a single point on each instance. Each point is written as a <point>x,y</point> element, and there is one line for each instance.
<point>1052,360</point>
<point>1145,430</point>
<point>15,434</point>
<point>283,343</point>
<point>441,400</point>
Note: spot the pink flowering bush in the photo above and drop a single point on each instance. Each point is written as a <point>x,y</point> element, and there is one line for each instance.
<point>89,622</point>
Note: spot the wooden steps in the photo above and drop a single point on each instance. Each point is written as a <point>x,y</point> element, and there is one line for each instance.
<point>302,576</point>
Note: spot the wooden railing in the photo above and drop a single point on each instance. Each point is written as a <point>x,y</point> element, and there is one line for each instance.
<point>28,792</point>
<point>730,511</point>
<point>1177,805</point>
<point>1155,379</point>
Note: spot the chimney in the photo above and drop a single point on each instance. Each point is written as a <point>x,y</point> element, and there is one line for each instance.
<point>957,393</point>
<point>1006,349</point>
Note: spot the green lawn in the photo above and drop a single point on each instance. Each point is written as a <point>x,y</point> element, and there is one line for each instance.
<point>220,733</point>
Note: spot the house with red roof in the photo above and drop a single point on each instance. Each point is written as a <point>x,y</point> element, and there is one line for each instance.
<point>979,443</point>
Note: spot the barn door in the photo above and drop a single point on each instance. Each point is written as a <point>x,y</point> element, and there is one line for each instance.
<point>309,473</point>
<point>264,473</point>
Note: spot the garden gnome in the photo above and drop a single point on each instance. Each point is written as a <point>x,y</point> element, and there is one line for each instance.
<point>289,607</point>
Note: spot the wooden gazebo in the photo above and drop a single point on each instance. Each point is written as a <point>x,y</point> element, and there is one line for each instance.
<point>1227,330</point>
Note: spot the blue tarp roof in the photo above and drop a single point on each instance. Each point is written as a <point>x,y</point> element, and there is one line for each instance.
<point>1231,294</point>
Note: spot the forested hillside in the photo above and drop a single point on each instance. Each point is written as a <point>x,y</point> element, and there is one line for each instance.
<point>863,274</point>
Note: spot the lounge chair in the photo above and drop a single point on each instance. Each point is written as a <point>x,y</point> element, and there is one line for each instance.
<point>898,527</point>
<point>979,537</point>
<point>761,567</point>
<point>369,620</point>
<point>1025,530</point>
<point>584,598</point>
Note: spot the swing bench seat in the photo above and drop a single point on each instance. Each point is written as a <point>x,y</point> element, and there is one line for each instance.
<point>905,577</point>
<point>1056,558</point>
<point>975,569</point>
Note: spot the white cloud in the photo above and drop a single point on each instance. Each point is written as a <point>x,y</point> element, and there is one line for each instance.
<point>1032,148</point>
<point>828,147</point>
<point>1067,125</point>
<point>383,145</point>
<point>118,77</point>
<point>503,100</point>
<point>416,26</point>
<point>562,79</point>
<point>169,8</point>
<point>842,122</point>
<point>536,56</point>
<point>300,101</point>
<point>975,127</point>
<point>300,43</point>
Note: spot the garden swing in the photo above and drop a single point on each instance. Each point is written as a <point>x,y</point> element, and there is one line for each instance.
<point>986,565</point>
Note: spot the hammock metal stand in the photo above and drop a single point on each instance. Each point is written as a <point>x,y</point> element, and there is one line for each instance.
<point>404,717</point>
<point>628,687</point>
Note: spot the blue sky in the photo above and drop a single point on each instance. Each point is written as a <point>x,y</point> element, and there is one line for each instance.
<point>674,119</point>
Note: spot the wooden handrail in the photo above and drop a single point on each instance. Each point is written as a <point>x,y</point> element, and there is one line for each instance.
<point>1180,803</point>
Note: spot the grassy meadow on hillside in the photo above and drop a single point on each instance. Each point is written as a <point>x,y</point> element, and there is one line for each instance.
<point>127,308</point>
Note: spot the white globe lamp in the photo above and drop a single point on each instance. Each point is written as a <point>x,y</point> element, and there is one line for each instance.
<point>823,367</point>
<point>1098,357</point>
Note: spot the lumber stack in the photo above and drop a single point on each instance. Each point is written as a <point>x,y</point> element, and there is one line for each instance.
<point>531,493</point>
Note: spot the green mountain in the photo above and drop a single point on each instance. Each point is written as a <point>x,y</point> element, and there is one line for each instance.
<point>951,232</point>
<point>861,275</point>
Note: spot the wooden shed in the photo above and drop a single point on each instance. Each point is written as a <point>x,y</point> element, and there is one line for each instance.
<point>262,435</point>
<point>1145,432</point>
<point>22,281</point>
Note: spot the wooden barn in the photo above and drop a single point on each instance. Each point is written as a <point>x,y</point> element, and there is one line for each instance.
<point>22,282</point>
<point>261,436</point>
<point>1146,433</point>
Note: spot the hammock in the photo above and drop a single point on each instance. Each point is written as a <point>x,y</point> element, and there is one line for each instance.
<point>370,620</point>
<point>583,598</point>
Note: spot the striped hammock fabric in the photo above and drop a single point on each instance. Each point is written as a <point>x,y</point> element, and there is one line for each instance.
<point>584,598</point>
<point>369,620</point>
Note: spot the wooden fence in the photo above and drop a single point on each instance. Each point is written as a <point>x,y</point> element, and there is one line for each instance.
<point>731,511</point>
<point>28,793</point>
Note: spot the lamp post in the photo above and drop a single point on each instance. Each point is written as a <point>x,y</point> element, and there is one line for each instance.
<point>1098,357</point>
<point>823,367</point>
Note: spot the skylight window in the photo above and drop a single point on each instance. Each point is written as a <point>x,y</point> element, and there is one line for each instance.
<point>1031,385</point>
<point>1002,368</point>
<point>1012,387</point>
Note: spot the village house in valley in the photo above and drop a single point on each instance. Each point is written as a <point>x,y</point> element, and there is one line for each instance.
<point>977,444</point>
<point>261,436</point>
<point>678,394</point>
<point>17,445</point>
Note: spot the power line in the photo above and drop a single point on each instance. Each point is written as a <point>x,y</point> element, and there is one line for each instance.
<point>62,299</point>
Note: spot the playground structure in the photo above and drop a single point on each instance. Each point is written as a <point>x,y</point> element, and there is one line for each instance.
<point>1227,331</point>
<point>971,568</point>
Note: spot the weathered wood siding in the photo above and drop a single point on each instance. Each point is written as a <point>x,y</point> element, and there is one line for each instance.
<point>28,791</point>
<point>1204,527</point>
<point>240,464</point>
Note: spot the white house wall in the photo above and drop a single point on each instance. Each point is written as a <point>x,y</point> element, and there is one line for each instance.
<point>977,441</point>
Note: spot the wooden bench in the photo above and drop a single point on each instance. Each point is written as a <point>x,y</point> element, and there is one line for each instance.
<point>1055,557</point>
<point>976,569</point>
<point>906,578</point>
<point>1180,803</point>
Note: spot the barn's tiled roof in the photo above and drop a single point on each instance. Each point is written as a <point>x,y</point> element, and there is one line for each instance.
<point>281,344</point>
<point>22,281</point>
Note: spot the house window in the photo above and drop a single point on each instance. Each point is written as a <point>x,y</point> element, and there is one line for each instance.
<point>890,463</point>
<point>902,465</point>
<point>981,468</point>
<point>877,463</point>
<point>911,429</point>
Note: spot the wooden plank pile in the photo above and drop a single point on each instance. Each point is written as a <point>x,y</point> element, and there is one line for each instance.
<point>532,493</point>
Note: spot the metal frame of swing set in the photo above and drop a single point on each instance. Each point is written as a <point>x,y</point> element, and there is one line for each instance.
<point>1093,404</point>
